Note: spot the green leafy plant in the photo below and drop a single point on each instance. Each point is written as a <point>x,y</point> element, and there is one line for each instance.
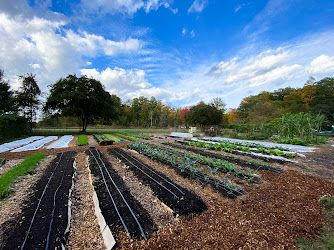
<point>82,140</point>
<point>110,137</point>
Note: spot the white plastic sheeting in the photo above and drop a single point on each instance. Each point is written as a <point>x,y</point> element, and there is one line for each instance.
<point>36,144</point>
<point>62,142</point>
<point>296,148</point>
<point>179,134</point>
<point>14,144</point>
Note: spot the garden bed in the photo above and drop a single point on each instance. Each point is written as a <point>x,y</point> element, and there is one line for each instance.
<point>225,187</point>
<point>256,165</point>
<point>122,212</point>
<point>44,219</point>
<point>180,200</point>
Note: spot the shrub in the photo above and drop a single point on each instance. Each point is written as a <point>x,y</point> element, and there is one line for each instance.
<point>12,126</point>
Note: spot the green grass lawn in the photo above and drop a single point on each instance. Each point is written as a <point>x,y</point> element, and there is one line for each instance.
<point>110,137</point>
<point>7,179</point>
<point>82,140</point>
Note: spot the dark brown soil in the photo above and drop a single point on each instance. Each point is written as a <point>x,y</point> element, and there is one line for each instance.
<point>109,196</point>
<point>180,200</point>
<point>45,215</point>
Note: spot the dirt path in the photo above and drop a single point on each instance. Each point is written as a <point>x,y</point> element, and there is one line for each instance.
<point>84,232</point>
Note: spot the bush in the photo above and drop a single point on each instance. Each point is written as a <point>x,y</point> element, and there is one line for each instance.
<point>12,126</point>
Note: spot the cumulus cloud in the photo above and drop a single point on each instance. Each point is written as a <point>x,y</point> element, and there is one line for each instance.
<point>323,64</point>
<point>119,81</point>
<point>47,49</point>
<point>198,6</point>
<point>132,83</point>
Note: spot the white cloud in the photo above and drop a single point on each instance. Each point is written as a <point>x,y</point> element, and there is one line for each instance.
<point>282,73</point>
<point>119,81</point>
<point>129,7</point>
<point>258,66</point>
<point>198,6</point>
<point>192,33</point>
<point>239,7</point>
<point>184,31</point>
<point>323,64</point>
<point>46,49</point>
<point>128,84</point>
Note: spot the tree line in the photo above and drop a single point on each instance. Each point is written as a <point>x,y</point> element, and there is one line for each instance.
<point>79,101</point>
<point>315,97</point>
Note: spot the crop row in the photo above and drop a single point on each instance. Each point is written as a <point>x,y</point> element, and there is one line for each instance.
<point>250,163</point>
<point>185,168</point>
<point>272,158</point>
<point>230,147</point>
<point>139,136</point>
<point>251,145</point>
<point>127,137</point>
<point>213,164</point>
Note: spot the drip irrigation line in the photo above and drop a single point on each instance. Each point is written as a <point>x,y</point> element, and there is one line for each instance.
<point>151,176</point>
<point>39,202</point>
<point>112,199</point>
<point>54,207</point>
<point>134,216</point>
<point>153,172</point>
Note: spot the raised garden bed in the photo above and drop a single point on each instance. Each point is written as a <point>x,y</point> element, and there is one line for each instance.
<point>44,222</point>
<point>180,200</point>
<point>120,209</point>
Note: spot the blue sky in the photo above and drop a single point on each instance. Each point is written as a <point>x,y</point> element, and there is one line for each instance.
<point>180,51</point>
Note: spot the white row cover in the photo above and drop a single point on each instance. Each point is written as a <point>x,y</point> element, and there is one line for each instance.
<point>250,153</point>
<point>296,148</point>
<point>179,134</point>
<point>36,145</point>
<point>62,142</point>
<point>14,144</point>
